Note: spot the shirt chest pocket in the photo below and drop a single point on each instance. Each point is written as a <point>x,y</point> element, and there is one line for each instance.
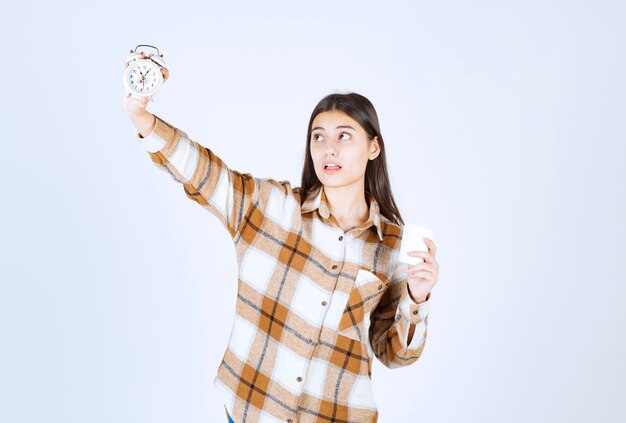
<point>364,297</point>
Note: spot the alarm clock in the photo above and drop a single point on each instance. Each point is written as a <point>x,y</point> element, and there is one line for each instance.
<point>142,77</point>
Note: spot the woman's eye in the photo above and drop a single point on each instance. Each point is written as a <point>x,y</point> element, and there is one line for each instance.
<point>316,137</point>
<point>344,133</point>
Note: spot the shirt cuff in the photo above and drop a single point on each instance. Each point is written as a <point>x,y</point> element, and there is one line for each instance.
<point>158,138</point>
<point>411,310</point>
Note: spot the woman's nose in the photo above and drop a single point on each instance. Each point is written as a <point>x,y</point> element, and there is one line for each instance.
<point>331,148</point>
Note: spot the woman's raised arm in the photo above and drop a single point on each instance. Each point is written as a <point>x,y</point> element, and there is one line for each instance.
<point>226,193</point>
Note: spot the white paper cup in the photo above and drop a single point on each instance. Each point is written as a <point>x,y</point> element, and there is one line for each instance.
<point>412,241</point>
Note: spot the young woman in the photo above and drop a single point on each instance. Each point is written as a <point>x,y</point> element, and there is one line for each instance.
<point>320,288</point>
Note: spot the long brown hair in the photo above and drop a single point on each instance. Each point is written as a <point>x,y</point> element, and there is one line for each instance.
<point>362,111</point>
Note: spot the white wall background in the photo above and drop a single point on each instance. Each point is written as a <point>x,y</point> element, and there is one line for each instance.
<point>505,131</point>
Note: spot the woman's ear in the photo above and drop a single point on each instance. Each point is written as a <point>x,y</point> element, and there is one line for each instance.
<point>374,148</point>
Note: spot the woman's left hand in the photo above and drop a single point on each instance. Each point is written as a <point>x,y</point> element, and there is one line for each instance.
<point>423,276</point>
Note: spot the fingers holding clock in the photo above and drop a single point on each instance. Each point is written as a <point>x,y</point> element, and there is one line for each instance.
<point>131,103</point>
<point>164,71</point>
<point>126,64</point>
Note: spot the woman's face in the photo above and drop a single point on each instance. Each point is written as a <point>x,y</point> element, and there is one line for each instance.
<point>339,139</point>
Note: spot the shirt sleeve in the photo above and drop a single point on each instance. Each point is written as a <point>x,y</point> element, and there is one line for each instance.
<point>206,179</point>
<point>392,319</point>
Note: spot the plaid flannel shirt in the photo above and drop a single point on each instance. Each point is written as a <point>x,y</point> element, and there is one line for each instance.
<point>314,303</point>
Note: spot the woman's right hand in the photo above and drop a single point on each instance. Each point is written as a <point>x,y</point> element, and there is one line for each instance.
<point>133,106</point>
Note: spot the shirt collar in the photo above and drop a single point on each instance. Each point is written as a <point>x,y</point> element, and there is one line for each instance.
<point>317,200</point>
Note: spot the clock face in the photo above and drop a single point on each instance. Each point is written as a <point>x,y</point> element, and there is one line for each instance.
<point>144,77</point>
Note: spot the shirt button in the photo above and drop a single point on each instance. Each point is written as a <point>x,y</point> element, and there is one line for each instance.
<point>341,238</point>
<point>380,287</point>
<point>290,420</point>
<point>415,312</point>
<point>310,341</point>
<point>299,379</point>
<point>334,266</point>
<point>324,303</point>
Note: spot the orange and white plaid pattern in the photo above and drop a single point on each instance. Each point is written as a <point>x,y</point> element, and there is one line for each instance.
<point>314,303</point>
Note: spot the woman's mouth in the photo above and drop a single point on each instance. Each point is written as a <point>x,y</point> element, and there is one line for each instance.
<point>332,168</point>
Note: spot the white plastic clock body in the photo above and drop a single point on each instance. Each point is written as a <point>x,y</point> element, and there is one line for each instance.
<point>143,77</point>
